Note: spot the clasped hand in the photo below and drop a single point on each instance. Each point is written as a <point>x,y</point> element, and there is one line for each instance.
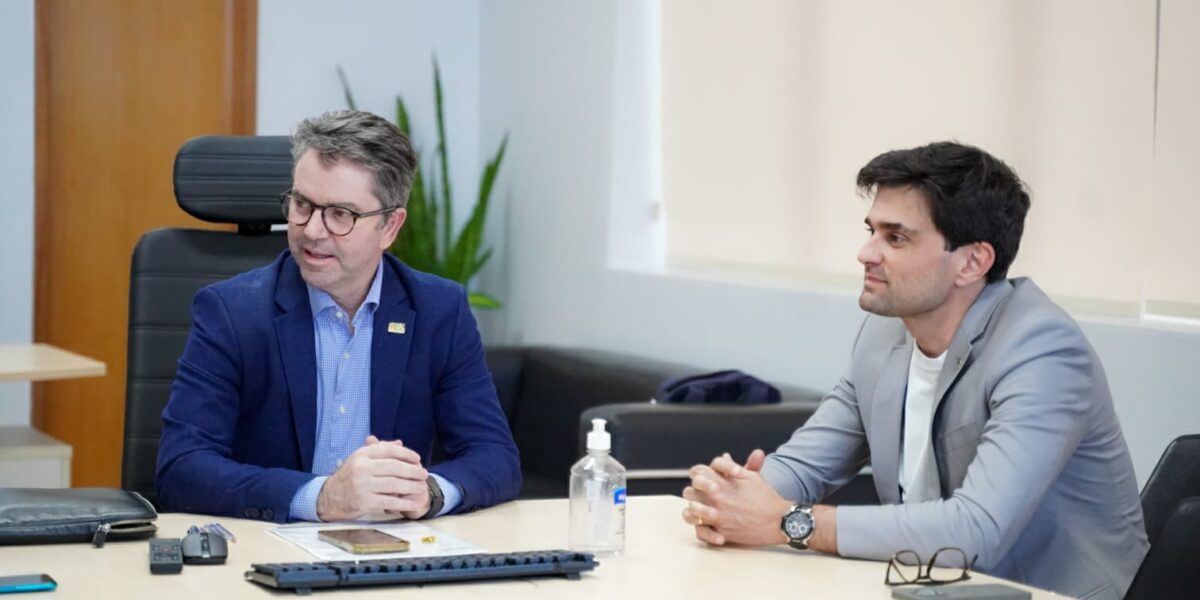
<point>378,477</point>
<point>732,503</point>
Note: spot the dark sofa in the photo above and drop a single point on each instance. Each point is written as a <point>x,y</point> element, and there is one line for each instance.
<point>550,395</point>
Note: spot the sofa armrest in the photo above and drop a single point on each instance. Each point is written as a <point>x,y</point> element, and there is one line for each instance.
<point>658,443</point>
<point>506,366</point>
<point>660,437</point>
<point>554,386</point>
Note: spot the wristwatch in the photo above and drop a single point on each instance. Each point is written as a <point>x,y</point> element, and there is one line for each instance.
<point>798,525</point>
<point>436,499</point>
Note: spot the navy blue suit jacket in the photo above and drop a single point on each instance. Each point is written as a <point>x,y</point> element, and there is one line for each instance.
<point>240,426</point>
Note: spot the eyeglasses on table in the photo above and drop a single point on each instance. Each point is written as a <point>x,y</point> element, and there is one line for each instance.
<point>906,567</point>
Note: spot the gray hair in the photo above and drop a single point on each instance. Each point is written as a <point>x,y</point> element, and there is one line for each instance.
<point>366,139</point>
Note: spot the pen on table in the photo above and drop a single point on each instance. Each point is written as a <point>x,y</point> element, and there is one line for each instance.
<point>222,531</point>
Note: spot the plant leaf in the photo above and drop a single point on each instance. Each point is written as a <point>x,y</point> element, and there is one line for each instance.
<point>402,120</point>
<point>489,174</point>
<point>430,226</point>
<point>479,262</point>
<point>479,300</point>
<point>447,208</point>
<point>416,244</point>
<point>463,261</point>
<point>346,88</point>
<point>425,242</point>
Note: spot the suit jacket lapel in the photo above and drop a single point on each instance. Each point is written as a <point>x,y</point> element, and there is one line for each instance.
<point>298,353</point>
<point>973,325</point>
<point>887,414</point>
<point>958,357</point>
<point>391,341</point>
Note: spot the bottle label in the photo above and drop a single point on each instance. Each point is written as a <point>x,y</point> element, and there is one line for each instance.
<point>619,496</point>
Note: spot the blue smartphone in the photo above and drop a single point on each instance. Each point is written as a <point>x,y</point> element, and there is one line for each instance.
<point>26,583</point>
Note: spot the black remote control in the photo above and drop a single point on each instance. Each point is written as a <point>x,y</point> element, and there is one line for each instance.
<point>166,556</point>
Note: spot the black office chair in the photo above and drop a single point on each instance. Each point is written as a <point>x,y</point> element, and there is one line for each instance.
<point>1171,570</point>
<point>1177,476</point>
<point>1171,507</point>
<point>221,180</point>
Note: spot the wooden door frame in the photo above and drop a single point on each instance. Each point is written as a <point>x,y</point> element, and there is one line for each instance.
<point>241,74</point>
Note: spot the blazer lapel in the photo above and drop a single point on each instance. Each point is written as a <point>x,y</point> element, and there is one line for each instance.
<point>298,353</point>
<point>958,358</point>
<point>884,435</point>
<point>972,327</point>
<point>391,341</point>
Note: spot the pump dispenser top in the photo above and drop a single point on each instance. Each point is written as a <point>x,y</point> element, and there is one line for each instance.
<point>598,438</point>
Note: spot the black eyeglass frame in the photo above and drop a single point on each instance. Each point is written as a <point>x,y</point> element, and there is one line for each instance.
<point>924,570</point>
<point>286,197</point>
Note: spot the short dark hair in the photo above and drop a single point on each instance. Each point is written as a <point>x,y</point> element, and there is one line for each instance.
<point>366,139</point>
<point>972,195</point>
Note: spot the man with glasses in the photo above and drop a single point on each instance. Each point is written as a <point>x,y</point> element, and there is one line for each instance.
<point>314,388</point>
<point>979,404</point>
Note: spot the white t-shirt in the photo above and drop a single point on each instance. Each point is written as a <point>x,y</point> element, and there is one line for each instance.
<point>919,480</point>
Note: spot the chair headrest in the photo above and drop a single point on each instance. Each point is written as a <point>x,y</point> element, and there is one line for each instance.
<point>233,179</point>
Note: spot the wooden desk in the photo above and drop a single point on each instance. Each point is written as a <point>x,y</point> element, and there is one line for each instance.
<point>41,362</point>
<point>661,560</point>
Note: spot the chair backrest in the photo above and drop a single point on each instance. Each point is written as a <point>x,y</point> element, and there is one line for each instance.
<point>1171,570</point>
<point>1177,476</point>
<point>218,179</point>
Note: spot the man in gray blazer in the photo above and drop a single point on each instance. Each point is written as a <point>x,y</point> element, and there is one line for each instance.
<point>979,404</point>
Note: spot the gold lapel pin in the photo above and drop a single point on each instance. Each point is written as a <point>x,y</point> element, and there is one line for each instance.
<point>396,328</point>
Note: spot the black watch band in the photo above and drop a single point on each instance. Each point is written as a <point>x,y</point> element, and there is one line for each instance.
<point>436,499</point>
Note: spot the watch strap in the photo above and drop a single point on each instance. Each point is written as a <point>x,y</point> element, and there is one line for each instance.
<point>436,498</point>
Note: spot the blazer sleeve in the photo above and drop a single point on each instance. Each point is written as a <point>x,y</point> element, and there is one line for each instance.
<point>482,456</point>
<point>196,471</point>
<point>824,454</point>
<point>1039,408</point>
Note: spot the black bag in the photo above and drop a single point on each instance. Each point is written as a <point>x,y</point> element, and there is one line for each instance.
<point>721,387</point>
<point>47,516</point>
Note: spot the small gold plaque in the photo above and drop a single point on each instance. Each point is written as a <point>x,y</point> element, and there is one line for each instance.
<point>396,328</point>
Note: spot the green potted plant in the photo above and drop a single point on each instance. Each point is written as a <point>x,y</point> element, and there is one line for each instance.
<point>427,242</point>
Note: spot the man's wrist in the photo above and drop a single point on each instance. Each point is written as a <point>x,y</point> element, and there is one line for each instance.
<point>824,537</point>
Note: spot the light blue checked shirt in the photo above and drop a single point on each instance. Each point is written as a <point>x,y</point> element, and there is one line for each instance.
<point>344,393</point>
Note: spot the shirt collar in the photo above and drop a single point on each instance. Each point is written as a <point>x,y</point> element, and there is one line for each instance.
<point>319,300</point>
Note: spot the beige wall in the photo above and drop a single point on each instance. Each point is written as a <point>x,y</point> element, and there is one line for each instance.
<point>770,107</point>
<point>1173,278</point>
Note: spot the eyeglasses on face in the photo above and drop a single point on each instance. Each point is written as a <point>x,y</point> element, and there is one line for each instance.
<point>338,220</point>
<point>906,567</point>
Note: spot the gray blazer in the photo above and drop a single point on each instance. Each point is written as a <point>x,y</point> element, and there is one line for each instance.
<point>1036,478</point>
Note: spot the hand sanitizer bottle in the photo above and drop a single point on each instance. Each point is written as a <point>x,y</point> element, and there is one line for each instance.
<point>598,498</point>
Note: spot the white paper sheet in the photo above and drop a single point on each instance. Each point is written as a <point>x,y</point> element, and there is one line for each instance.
<point>444,544</point>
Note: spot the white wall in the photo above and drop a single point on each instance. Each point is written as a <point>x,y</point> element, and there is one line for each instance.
<point>547,70</point>
<point>386,48</point>
<point>16,184</point>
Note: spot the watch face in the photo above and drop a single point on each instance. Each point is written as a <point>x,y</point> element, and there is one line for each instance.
<point>798,525</point>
